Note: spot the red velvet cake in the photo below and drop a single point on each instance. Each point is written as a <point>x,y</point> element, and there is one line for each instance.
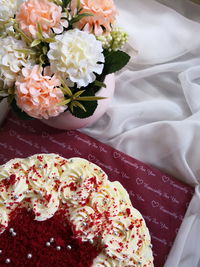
<point>65,212</point>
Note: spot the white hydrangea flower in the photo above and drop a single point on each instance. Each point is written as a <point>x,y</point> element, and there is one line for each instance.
<point>76,55</point>
<point>11,60</point>
<point>8,9</point>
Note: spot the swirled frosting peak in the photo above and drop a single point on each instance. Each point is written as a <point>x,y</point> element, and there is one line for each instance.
<point>98,210</point>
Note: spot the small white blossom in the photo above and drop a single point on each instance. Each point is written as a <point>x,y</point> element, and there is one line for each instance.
<point>115,40</point>
<point>11,60</point>
<point>76,55</point>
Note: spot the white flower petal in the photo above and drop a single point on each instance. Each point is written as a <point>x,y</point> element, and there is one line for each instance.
<point>8,9</point>
<point>11,61</point>
<point>74,55</point>
<point>64,23</point>
<point>58,29</point>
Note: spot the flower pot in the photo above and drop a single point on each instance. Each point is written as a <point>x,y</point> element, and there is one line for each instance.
<point>67,121</point>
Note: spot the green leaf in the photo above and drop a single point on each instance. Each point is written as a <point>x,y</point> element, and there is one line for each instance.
<point>64,102</point>
<point>114,61</point>
<point>19,113</point>
<point>28,40</point>
<point>79,17</point>
<point>99,78</point>
<point>90,98</point>
<point>65,3</point>
<point>99,84</point>
<point>35,43</point>
<point>25,51</point>
<point>78,4</point>
<point>39,36</point>
<point>78,104</point>
<point>39,28</point>
<point>41,59</point>
<point>77,94</point>
<point>80,9</point>
<point>44,50</point>
<point>49,40</point>
<point>65,89</point>
<point>89,106</point>
<point>11,91</point>
<point>71,107</point>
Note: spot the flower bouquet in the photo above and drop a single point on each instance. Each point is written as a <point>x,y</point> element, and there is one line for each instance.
<point>55,55</point>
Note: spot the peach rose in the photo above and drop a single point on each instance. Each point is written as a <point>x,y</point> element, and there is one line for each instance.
<point>37,94</point>
<point>44,12</point>
<point>103,11</point>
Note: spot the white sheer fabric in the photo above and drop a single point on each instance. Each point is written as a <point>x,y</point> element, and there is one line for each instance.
<point>159,33</point>
<point>155,114</point>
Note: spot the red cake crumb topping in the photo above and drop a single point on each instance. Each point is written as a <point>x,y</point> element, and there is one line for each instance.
<point>94,206</point>
<point>32,237</point>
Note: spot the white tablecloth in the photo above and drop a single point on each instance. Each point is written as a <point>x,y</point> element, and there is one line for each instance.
<point>155,114</point>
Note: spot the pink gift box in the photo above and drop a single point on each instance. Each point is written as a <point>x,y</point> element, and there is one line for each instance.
<point>160,198</point>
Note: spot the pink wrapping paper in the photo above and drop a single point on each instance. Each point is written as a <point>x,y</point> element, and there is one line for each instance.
<point>160,198</point>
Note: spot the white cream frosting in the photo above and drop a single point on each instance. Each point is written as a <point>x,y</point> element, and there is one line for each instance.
<point>102,260</point>
<point>3,218</point>
<point>99,210</point>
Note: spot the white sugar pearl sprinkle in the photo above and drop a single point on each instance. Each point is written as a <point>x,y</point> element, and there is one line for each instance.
<point>29,256</point>
<point>51,240</point>
<point>48,244</point>
<point>7,261</point>
<point>69,247</point>
<point>91,241</point>
<point>11,230</point>
<point>58,248</point>
<point>1,251</point>
<point>14,234</point>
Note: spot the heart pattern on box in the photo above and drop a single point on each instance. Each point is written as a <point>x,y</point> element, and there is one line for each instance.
<point>165,179</point>
<point>71,133</point>
<point>116,155</point>
<point>139,181</point>
<point>91,157</point>
<point>154,204</point>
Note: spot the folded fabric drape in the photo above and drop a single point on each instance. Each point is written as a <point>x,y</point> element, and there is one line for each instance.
<point>155,114</point>
<point>188,8</point>
<point>158,32</point>
<point>185,251</point>
<point>190,81</point>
